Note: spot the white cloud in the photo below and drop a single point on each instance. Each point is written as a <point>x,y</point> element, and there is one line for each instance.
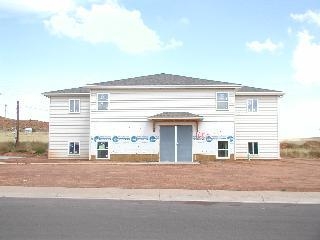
<point>109,23</point>
<point>267,45</point>
<point>173,43</point>
<point>36,6</point>
<point>104,22</point>
<point>306,59</point>
<point>308,16</point>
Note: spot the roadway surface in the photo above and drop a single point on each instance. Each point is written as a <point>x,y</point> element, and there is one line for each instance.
<point>81,219</point>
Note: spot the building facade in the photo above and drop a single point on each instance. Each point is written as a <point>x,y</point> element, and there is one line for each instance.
<point>163,118</point>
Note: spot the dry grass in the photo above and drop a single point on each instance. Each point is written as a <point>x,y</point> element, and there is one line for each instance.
<point>32,137</point>
<point>301,149</point>
<point>35,143</point>
<point>39,148</point>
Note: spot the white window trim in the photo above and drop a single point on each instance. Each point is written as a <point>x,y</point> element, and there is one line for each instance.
<point>251,99</point>
<point>253,154</point>
<point>223,140</point>
<point>74,99</point>
<point>222,101</point>
<point>103,149</point>
<point>103,101</point>
<point>74,154</point>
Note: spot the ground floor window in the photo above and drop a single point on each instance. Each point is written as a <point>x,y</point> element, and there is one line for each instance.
<point>74,148</point>
<point>253,148</point>
<point>223,149</point>
<point>103,150</point>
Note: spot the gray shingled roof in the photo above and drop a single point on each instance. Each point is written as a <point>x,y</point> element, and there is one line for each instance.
<point>161,79</point>
<point>253,89</point>
<point>175,115</point>
<point>80,90</point>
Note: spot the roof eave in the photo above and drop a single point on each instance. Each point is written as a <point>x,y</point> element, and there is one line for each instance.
<point>175,118</point>
<point>259,93</point>
<point>46,94</point>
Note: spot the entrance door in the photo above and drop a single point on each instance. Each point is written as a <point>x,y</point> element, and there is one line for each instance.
<point>184,144</point>
<point>175,143</point>
<point>167,143</point>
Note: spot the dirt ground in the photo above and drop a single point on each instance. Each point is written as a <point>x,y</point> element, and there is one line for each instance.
<point>281,175</point>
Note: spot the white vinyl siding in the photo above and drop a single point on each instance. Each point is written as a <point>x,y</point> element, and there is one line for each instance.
<point>131,109</point>
<point>74,106</point>
<point>261,127</point>
<point>226,119</point>
<point>65,127</point>
<point>103,101</point>
<point>137,105</point>
<point>222,101</point>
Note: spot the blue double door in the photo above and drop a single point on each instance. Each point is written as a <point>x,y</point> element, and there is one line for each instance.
<point>176,143</point>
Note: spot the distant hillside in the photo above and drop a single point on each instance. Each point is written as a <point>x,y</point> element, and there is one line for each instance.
<point>7,124</point>
<point>300,140</point>
<point>301,148</point>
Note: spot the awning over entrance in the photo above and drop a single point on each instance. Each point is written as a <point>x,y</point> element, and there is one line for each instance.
<point>175,117</point>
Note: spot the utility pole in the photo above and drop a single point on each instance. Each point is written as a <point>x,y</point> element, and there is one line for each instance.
<point>5,110</point>
<point>17,125</point>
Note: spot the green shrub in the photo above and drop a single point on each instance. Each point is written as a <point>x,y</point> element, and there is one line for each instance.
<point>6,147</point>
<point>314,153</point>
<point>39,147</point>
<point>21,147</point>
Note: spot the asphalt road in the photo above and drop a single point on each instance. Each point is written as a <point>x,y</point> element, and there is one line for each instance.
<point>47,219</point>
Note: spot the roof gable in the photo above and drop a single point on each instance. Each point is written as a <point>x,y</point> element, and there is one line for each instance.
<point>162,79</point>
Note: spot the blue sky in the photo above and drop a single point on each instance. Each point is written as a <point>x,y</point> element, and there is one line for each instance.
<point>50,44</point>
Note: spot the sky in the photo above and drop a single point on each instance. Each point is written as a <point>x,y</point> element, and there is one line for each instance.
<point>47,45</point>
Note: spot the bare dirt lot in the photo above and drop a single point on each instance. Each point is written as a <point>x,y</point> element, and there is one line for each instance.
<point>281,175</point>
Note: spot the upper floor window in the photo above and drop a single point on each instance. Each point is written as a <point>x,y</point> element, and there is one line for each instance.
<point>222,101</point>
<point>252,105</point>
<point>74,106</point>
<point>103,101</point>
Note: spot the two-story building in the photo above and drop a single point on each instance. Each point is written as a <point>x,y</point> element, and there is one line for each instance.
<point>163,118</point>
